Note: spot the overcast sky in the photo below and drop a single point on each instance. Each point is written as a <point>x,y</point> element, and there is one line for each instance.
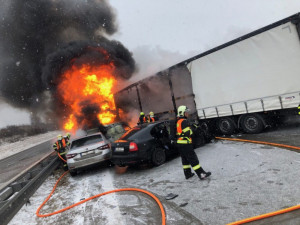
<point>161,33</point>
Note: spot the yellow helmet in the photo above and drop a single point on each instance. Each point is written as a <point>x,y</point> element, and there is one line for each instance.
<point>142,113</point>
<point>68,135</point>
<point>181,110</point>
<point>151,113</point>
<point>59,137</point>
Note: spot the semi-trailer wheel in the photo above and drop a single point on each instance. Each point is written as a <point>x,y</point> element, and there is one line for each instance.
<point>226,125</point>
<point>252,123</point>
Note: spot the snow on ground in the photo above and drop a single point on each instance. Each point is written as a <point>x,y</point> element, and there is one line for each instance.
<point>102,210</point>
<point>8,149</point>
<point>247,180</point>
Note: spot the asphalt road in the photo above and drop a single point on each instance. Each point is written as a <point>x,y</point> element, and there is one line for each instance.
<point>12,166</point>
<point>287,133</point>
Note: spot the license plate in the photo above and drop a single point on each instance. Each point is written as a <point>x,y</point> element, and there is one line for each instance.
<point>87,153</point>
<point>119,149</point>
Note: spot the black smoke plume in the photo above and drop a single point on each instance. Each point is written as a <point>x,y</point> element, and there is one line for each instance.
<point>40,39</point>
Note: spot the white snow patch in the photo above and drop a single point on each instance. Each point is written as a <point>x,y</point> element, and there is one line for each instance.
<point>8,149</point>
<point>77,189</point>
<point>256,152</point>
<point>107,185</point>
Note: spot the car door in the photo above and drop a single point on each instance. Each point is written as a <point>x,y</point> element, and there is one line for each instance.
<point>161,134</point>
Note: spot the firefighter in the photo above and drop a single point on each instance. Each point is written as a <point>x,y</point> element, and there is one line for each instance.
<point>60,146</point>
<point>152,118</point>
<point>67,138</point>
<point>142,118</point>
<point>184,144</point>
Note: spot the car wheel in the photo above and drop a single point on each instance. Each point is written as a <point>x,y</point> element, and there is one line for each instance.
<point>73,173</point>
<point>158,156</point>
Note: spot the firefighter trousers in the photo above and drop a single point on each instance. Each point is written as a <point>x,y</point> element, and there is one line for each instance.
<point>188,155</point>
<point>62,153</point>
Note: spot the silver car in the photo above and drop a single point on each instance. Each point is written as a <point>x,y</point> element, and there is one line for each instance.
<point>88,150</point>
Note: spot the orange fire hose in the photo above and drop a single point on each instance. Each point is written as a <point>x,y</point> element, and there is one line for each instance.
<point>61,157</point>
<point>96,196</point>
<point>260,142</point>
<point>263,216</point>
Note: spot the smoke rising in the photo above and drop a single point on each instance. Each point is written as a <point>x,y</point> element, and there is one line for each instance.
<point>40,39</point>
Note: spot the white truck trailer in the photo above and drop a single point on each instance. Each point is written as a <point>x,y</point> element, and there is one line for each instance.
<point>243,84</point>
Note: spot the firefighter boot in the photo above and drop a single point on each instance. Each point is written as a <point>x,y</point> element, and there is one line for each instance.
<point>65,166</point>
<point>202,174</point>
<point>188,173</point>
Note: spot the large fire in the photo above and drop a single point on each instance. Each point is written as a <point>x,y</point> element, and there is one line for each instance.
<point>88,86</point>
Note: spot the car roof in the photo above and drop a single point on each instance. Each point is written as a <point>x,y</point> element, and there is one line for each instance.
<point>144,125</point>
<point>93,134</point>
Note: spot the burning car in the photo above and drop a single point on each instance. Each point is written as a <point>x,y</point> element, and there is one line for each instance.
<point>87,151</point>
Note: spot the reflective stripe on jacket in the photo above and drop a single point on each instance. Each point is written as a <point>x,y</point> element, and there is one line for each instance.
<point>184,132</point>
<point>60,144</point>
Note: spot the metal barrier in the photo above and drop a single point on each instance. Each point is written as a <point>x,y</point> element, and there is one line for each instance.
<point>18,192</point>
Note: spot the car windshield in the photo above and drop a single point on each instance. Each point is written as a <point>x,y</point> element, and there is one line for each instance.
<point>129,133</point>
<point>86,141</point>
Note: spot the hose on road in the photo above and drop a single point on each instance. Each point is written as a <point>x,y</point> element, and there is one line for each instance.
<point>97,196</point>
<point>263,216</point>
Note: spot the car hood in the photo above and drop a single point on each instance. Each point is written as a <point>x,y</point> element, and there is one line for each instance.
<point>88,147</point>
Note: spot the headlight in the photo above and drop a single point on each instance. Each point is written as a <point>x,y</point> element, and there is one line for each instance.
<point>103,147</point>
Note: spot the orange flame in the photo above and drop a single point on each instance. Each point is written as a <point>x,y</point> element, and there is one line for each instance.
<point>70,123</point>
<point>88,85</point>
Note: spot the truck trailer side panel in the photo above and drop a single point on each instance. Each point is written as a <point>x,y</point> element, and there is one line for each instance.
<point>260,73</point>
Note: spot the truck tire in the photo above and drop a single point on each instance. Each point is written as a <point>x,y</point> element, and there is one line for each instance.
<point>207,129</point>
<point>199,140</point>
<point>226,125</point>
<point>252,123</point>
<point>204,127</point>
<point>158,157</point>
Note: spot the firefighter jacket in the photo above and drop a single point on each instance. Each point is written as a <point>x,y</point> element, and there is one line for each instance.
<point>60,146</point>
<point>184,132</point>
<point>67,141</point>
<point>152,119</point>
<point>142,119</point>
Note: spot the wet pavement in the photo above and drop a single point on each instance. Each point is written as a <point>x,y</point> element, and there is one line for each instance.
<point>287,133</point>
